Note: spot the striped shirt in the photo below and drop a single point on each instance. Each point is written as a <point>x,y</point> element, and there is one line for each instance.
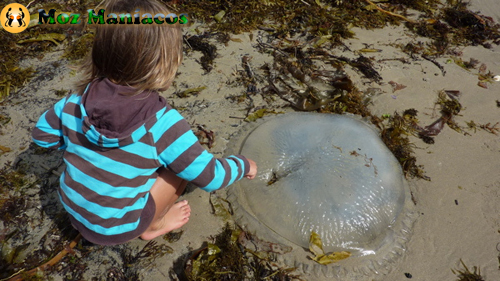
<point>106,183</point>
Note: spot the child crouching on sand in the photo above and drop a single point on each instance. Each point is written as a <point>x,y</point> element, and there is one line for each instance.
<point>128,154</point>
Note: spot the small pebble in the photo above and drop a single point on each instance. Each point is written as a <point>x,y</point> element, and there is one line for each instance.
<point>456,202</point>
<point>408,275</point>
<point>496,78</point>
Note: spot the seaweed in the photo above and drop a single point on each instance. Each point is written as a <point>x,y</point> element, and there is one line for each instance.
<point>467,65</point>
<point>4,120</point>
<point>78,48</point>
<point>189,92</point>
<point>424,6</point>
<point>28,275</point>
<point>35,41</point>
<point>11,179</point>
<point>395,135</point>
<point>61,93</point>
<point>15,78</point>
<point>306,88</point>
<point>448,24</point>
<point>12,77</point>
<point>227,258</point>
<point>205,136</point>
<point>488,127</point>
<point>473,28</point>
<point>133,260</point>
<point>51,37</point>
<point>466,275</point>
<point>218,207</point>
<point>365,66</point>
<point>220,260</point>
<point>259,113</point>
<point>147,255</point>
<point>450,106</point>
<point>209,51</point>
<point>173,236</point>
<point>330,18</point>
<point>316,247</point>
<point>459,27</point>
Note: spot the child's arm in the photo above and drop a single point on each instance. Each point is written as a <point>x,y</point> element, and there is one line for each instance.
<point>179,149</point>
<point>48,129</point>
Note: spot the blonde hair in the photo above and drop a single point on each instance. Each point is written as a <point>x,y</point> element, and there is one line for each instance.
<point>145,57</point>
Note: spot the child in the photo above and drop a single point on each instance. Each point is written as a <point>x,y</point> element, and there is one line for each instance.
<point>128,154</point>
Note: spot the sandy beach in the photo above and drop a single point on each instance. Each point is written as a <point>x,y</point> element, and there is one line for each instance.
<point>458,209</point>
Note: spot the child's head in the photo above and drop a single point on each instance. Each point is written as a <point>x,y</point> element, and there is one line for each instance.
<point>145,56</point>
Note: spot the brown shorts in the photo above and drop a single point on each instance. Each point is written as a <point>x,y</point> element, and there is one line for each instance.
<point>147,216</point>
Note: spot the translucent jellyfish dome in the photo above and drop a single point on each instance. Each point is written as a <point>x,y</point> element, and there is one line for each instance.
<point>326,173</point>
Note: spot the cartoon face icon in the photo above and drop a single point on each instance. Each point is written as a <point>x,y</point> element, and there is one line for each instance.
<point>13,13</point>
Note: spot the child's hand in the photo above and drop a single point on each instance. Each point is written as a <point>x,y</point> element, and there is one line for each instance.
<point>253,170</point>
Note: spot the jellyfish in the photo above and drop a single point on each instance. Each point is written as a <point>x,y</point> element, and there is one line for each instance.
<point>324,173</point>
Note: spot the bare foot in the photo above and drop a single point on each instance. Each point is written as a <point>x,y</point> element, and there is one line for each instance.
<point>177,216</point>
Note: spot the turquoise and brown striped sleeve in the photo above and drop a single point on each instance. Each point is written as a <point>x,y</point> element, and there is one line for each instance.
<point>179,149</point>
<point>48,130</point>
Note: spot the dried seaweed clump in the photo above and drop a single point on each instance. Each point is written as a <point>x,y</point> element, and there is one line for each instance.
<point>455,25</point>
<point>395,134</point>
<point>227,259</point>
<point>469,27</point>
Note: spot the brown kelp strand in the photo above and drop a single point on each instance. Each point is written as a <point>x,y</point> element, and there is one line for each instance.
<point>31,274</point>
